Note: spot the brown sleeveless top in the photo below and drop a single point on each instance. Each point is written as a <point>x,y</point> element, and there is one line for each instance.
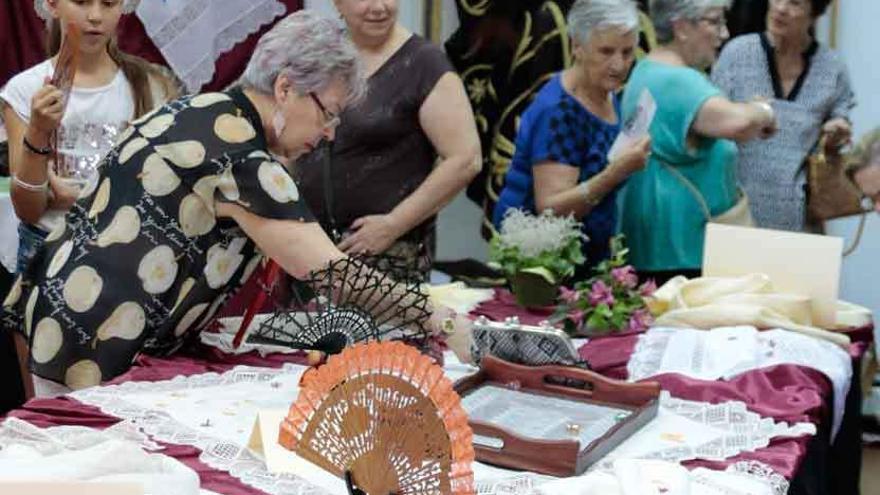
<point>381,154</point>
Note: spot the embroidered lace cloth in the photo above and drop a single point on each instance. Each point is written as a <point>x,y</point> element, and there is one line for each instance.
<point>725,352</point>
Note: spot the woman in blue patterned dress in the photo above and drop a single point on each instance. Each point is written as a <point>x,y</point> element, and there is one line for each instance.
<point>564,136</point>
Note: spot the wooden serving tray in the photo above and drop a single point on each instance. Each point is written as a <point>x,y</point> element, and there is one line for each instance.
<point>540,423</point>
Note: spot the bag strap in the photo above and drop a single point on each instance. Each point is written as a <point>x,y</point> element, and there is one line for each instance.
<point>327,178</point>
<point>692,188</point>
<point>861,230</point>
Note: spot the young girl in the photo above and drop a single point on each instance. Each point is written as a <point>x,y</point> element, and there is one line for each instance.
<point>110,90</point>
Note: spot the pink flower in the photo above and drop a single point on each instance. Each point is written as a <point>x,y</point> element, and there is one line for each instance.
<point>568,296</point>
<point>601,294</point>
<point>648,288</point>
<point>625,276</point>
<point>640,320</point>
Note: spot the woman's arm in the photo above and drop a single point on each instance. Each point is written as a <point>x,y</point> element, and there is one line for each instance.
<point>33,181</point>
<point>448,121</point>
<point>722,118</point>
<point>557,188</point>
<point>301,248</point>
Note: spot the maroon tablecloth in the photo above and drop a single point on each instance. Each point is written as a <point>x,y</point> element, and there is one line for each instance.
<point>788,393</point>
<point>785,392</point>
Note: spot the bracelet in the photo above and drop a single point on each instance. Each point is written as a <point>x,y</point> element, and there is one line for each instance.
<point>588,198</point>
<point>27,186</point>
<point>35,150</point>
<point>767,108</point>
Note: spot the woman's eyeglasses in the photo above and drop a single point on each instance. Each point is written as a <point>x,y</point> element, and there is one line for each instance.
<point>331,120</point>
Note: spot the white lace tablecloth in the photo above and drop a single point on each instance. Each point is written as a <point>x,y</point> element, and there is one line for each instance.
<point>215,413</point>
<point>192,34</point>
<point>8,233</point>
<point>729,351</point>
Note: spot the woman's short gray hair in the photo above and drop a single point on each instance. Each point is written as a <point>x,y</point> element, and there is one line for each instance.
<point>311,50</point>
<point>587,16</point>
<point>664,13</point>
<point>864,154</point>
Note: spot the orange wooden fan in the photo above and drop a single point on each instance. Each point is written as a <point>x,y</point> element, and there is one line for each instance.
<point>385,418</point>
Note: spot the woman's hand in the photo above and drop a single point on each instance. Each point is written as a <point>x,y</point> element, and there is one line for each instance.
<point>456,327</point>
<point>47,109</point>
<point>372,234</point>
<point>62,195</point>
<point>633,158</point>
<point>838,133</point>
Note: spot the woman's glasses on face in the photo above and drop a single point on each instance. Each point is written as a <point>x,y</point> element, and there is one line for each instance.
<point>331,120</point>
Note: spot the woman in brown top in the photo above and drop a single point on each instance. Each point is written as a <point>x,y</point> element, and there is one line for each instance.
<point>383,188</point>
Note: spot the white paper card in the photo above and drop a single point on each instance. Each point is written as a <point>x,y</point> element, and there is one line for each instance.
<point>637,126</point>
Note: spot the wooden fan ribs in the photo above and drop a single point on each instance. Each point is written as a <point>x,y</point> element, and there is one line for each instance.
<point>387,415</point>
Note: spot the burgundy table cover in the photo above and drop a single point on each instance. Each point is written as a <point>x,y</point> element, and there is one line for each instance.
<point>784,392</point>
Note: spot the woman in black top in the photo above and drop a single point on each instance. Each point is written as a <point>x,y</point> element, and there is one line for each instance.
<point>385,182</point>
<point>183,201</point>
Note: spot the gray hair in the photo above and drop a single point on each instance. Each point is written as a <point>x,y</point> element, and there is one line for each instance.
<point>664,13</point>
<point>864,154</point>
<point>311,50</point>
<point>587,16</point>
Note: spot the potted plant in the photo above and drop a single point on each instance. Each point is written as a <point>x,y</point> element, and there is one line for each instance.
<point>610,301</point>
<point>536,254</point>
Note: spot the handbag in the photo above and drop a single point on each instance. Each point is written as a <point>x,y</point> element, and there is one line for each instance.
<point>738,214</point>
<point>830,193</point>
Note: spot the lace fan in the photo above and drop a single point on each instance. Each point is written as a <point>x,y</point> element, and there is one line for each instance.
<point>386,419</point>
<point>347,303</point>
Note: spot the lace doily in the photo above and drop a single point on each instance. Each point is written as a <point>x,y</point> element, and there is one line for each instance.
<point>215,413</point>
<point>48,441</point>
<point>192,34</point>
<point>730,351</point>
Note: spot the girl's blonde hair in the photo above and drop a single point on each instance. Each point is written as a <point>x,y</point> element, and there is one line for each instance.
<point>148,82</point>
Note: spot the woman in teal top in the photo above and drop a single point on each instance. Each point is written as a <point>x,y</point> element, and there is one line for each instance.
<point>692,134</point>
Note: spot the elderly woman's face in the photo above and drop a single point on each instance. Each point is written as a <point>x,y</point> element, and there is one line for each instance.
<point>607,56</point>
<point>704,36</point>
<point>368,18</point>
<point>786,18</point>
<point>309,118</point>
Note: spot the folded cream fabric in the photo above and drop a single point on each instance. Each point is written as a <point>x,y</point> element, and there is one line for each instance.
<point>711,302</point>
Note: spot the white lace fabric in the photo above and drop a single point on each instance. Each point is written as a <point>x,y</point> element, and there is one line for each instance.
<point>192,34</point>
<point>215,413</point>
<point>729,351</point>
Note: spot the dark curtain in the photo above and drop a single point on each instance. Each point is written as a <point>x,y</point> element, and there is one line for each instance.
<point>22,33</point>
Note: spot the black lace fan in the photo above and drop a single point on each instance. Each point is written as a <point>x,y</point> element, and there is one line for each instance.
<point>346,303</point>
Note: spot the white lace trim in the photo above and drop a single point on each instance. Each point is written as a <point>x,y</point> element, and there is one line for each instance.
<point>725,430</point>
<point>51,441</point>
<point>218,454</point>
<point>763,472</point>
<point>705,355</point>
<point>196,74</point>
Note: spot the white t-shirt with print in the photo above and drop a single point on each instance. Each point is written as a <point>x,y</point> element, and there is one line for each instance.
<point>94,117</point>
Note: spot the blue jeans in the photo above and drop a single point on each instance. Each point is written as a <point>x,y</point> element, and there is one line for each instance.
<point>30,239</point>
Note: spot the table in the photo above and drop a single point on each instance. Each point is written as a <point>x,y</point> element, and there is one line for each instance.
<point>785,393</point>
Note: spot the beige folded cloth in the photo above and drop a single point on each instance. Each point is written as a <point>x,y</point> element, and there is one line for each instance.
<point>711,302</point>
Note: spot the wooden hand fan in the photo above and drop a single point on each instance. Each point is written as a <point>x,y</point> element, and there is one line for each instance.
<point>63,76</point>
<point>346,303</point>
<point>386,419</point>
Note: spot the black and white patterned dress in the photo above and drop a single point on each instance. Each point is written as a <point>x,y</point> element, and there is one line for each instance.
<point>771,170</point>
<point>142,259</point>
